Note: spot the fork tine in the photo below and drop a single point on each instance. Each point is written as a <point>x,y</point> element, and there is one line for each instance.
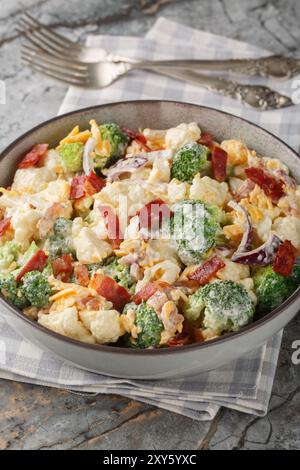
<point>66,63</point>
<point>54,67</point>
<point>42,32</point>
<point>54,74</point>
<point>63,41</point>
<point>33,40</point>
<point>38,38</point>
<point>37,44</point>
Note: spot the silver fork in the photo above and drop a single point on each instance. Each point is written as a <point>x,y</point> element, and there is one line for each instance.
<point>101,74</point>
<point>49,41</point>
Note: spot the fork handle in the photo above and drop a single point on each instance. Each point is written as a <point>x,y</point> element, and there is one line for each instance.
<point>257,96</point>
<point>272,66</point>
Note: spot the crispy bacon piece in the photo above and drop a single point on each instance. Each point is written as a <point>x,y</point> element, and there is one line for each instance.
<point>187,283</point>
<point>97,182</point>
<point>207,140</point>
<point>110,290</point>
<point>4,226</point>
<point>218,163</point>
<point>36,263</point>
<point>89,303</point>
<point>197,335</point>
<point>63,267</point>
<point>86,185</point>
<point>82,275</point>
<point>34,157</point>
<point>272,187</point>
<point>145,293</point>
<point>140,142</point>
<point>139,138</point>
<point>47,221</point>
<point>179,340</point>
<point>194,332</point>
<point>112,225</point>
<point>77,187</point>
<point>285,258</point>
<point>208,269</point>
<point>152,214</point>
<point>190,334</point>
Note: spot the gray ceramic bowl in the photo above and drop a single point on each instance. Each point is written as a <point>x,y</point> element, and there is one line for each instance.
<point>161,363</point>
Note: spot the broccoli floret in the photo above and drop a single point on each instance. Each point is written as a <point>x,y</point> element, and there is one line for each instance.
<point>62,227</point>
<point>195,306</point>
<point>272,288</point>
<point>294,278</point>
<point>120,273</point>
<point>71,156</point>
<point>8,254</point>
<point>196,229</point>
<point>226,306</point>
<point>112,268</point>
<point>93,267</point>
<point>188,161</point>
<point>116,141</point>
<point>10,290</point>
<point>25,257</point>
<point>61,242</point>
<point>149,327</point>
<point>130,306</point>
<point>36,289</point>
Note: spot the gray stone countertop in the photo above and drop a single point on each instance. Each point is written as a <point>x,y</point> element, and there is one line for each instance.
<point>35,417</point>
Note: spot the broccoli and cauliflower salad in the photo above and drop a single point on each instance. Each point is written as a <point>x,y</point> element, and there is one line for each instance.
<point>155,238</point>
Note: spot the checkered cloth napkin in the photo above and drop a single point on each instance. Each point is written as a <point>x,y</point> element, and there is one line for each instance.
<point>243,385</point>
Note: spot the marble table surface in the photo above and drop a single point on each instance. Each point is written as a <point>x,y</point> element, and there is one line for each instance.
<point>35,417</point>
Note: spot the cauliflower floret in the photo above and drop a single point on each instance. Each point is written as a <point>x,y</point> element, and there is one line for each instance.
<point>177,190</point>
<point>52,161</point>
<point>167,271</point>
<point>67,323</point>
<point>24,221</point>
<point>10,199</point>
<point>112,193</point>
<point>176,137</point>
<point>155,138</point>
<point>236,150</point>
<point>263,228</point>
<point>290,202</point>
<point>104,325</point>
<point>160,171</point>
<point>288,228</point>
<point>99,228</point>
<point>89,248</point>
<point>56,191</point>
<point>141,174</point>
<point>233,271</point>
<point>137,198</point>
<point>32,180</point>
<point>132,231</point>
<point>161,250</point>
<point>209,190</point>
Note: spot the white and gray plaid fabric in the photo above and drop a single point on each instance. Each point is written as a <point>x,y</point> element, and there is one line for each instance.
<point>243,385</point>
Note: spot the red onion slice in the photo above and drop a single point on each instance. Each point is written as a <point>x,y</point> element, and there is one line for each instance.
<point>260,256</point>
<point>128,165</point>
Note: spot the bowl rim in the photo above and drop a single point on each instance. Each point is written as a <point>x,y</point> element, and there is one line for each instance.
<point>159,351</point>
